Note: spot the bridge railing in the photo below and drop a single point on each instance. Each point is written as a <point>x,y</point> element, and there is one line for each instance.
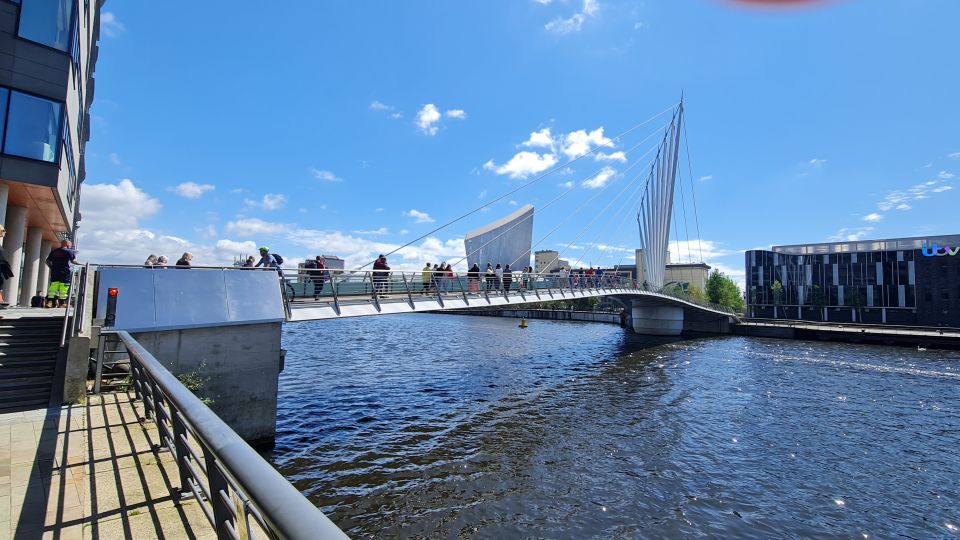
<point>339,285</point>
<point>692,300</point>
<point>241,495</point>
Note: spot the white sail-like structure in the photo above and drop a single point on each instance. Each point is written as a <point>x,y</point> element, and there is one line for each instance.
<point>656,207</point>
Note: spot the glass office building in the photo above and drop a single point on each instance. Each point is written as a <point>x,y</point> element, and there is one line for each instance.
<point>505,241</point>
<point>48,50</point>
<point>906,281</point>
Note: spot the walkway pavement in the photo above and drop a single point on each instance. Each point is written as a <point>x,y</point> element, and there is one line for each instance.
<point>89,471</point>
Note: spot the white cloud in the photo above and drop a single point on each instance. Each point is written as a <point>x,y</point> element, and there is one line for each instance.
<point>851,234</point>
<point>945,175</point>
<point>325,176</point>
<point>483,194</point>
<point>396,116</point>
<point>404,232</point>
<point>377,106</point>
<point>382,231</point>
<point>568,184</point>
<point>418,216</point>
<point>111,25</point>
<point>543,2</point>
<point>115,206</point>
<point>523,164</point>
<point>600,179</point>
<point>817,162</point>
<point>237,248</point>
<point>458,114</point>
<point>706,178</point>
<point>209,232</point>
<point>427,119</point>
<point>255,227</point>
<point>873,218</point>
<point>378,210</point>
<point>115,158</point>
<point>577,143</point>
<point>575,22</point>
<point>615,156</point>
<point>955,155</point>
<point>539,139</point>
<point>512,203</point>
<point>900,199</point>
<point>193,190</point>
<point>273,201</point>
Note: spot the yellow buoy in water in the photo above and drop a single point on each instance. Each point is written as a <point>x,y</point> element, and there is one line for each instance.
<point>523,323</point>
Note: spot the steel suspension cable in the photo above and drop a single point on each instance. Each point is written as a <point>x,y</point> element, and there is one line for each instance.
<point>528,184</point>
<point>693,194</point>
<point>589,201</point>
<point>570,190</point>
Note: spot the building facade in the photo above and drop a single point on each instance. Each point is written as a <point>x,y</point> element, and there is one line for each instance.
<point>548,260</point>
<point>506,241</point>
<point>904,281</point>
<point>681,275</point>
<point>48,51</point>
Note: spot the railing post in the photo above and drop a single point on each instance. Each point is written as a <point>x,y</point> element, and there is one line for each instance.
<point>98,374</point>
<point>406,285</point>
<point>217,483</point>
<point>182,454</point>
<point>334,286</point>
<point>462,291</point>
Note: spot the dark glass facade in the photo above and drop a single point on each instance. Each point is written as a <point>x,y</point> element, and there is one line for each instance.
<point>837,283</point>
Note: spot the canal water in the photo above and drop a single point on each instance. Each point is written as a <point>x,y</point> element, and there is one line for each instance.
<point>449,426</point>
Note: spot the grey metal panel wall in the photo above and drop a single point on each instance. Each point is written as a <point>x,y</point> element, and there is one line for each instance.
<point>176,298</point>
<point>513,247</point>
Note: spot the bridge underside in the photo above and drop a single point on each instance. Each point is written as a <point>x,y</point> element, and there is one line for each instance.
<point>658,316</point>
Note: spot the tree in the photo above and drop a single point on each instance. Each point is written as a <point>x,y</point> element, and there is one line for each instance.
<point>722,290</point>
<point>776,290</point>
<point>819,299</point>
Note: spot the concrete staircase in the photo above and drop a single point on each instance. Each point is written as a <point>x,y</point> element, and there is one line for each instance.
<point>28,359</point>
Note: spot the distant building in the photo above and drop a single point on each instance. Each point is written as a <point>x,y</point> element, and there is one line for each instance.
<point>906,281</point>
<point>48,52</point>
<point>677,274</point>
<point>548,260</point>
<point>505,241</point>
<point>332,262</point>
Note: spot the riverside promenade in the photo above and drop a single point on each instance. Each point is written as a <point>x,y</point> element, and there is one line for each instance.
<point>90,471</point>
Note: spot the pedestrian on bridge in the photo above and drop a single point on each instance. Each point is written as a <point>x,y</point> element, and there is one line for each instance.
<point>490,276</point>
<point>425,274</point>
<point>318,274</point>
<point>473,278</point>
<point>498,277</point>
<point>381,273</point>
<point>507,278</point>
<point>59,261</point>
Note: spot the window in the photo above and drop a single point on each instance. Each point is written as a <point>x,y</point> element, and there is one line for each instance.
<point>4,95</point>
<point>71,165</point>
<point>33,127</point>
<point>47,22</point>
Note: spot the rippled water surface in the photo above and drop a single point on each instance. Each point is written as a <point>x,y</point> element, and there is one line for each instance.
<point>448,426</point>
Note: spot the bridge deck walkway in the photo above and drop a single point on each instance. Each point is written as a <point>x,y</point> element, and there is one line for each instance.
<point>90,471</point>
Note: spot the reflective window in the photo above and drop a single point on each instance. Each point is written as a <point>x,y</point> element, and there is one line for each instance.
<point>33,127</point>
<point>47,22</point>
<point>4,94</point>
<point>71,165</point>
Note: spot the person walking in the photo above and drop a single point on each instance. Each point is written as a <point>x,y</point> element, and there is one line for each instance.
<point>473,278</point>
<point>318,275</point>
<point>507,278</point>
<point>425,276</point>
<point>490,275</point>
<point>59,261</point>
<point>381,273</point>
<point>5,271</point>
<point>498,277</point>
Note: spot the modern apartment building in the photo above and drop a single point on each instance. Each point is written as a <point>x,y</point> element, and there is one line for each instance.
<point>907,281</point>
<point>505,241</point>
<point>48,51</point>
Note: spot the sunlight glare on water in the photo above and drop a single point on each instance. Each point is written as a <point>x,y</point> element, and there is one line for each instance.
<point>449,426</point>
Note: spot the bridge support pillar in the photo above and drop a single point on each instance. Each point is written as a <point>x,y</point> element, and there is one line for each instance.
<point>657,320</point>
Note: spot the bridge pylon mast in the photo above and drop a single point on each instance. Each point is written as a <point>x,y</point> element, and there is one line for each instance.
<point>656,206</point>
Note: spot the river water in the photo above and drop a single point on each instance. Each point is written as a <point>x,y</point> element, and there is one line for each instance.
<point>450,426</point>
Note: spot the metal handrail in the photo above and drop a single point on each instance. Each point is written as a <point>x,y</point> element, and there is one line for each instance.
<point>76,280</point>
<point>232,466</point>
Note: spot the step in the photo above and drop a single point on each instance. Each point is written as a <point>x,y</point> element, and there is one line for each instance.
<point>23,404</point>
<point>25,393</point>
<point>27,385</point>
<point>16,371</point>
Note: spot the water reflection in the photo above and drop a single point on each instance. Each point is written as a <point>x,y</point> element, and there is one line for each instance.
<point>454,426</point>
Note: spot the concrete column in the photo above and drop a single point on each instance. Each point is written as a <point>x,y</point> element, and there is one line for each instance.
<point>31,265</point>
<point>657,320</point>
<point>43,280</point>
<point>4,192</point>
<point>16,224</point>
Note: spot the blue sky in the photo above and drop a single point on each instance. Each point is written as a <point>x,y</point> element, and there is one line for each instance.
<point>350,128</point>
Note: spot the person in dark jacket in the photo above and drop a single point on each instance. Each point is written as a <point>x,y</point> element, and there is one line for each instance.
<point>381,272</point>
<point>59,261</point>
<point>5,271</point>
<point>318,275</point>
<point>473,277</point>
<point>185,259</point>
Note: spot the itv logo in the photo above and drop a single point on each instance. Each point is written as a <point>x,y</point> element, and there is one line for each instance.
<point>937,251</point>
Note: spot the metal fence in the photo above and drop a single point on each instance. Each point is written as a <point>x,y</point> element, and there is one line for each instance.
<point>241,495</point>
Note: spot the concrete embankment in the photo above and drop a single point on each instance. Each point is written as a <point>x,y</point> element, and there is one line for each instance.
<point>904,336</point>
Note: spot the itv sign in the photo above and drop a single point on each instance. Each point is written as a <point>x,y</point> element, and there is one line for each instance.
<point>937,251</point>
